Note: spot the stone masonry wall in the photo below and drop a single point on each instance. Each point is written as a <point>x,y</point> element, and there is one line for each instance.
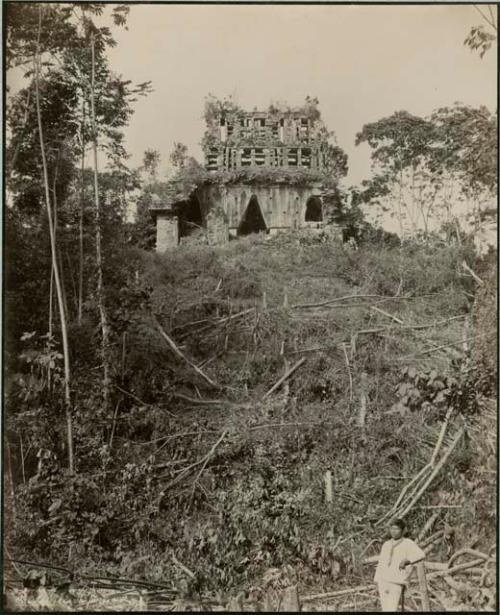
<point>167,231</point>
<point>282,206</point>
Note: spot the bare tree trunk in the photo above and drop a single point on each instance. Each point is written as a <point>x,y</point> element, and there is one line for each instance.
<point>72,278</point>
<point>80,223</point>
<point>12,162</point>
<point>11,480</point>
<point>51,285</point>
<point>100,287</point>
<point>51,320</point>
<point>57,280</point>
<point>400,206</point>
<point>63,281</point>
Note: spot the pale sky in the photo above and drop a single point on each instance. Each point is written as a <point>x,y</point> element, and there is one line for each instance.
<point>362,62</point>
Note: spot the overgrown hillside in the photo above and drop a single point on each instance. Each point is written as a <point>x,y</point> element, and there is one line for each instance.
<point>208,474</point>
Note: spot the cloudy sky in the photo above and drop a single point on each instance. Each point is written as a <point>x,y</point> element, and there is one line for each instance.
<point>362,62</point>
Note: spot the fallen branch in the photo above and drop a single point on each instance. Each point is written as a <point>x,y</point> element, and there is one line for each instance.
<point>285,377</point>
<point>440,506</point>
<point>272,425</point>
<point>343,592</point>
<point>314,349</point>
<point>459,568</point>
<point>474,275</point>
<point>422,480</point>
<point>432,539</point>
<point>429,325</point>
<point>384,313</point>
<point>442,433</point>
<point>356,605</point>
<point>201,402</point>
<point>110,580</point>
<point>210,453</point>
<point>433,474</point>
<point>337,299</point>
<point>187,469</point>
<point>182,567</point>
<point>428,526</point>
<point>138,399</point>
<point>182,356</point>
<point>436,348</point>
<point>472,552</point>
<point>435,565</point>
<point>402,495</point>
<point>220,321</point>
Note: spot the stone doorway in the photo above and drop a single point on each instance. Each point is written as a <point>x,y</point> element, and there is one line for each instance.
<point>190,218</point>
<point>253,219</point>
<point>314,209</point>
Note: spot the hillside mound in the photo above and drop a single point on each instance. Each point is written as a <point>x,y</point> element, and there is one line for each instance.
<point>280,399</point>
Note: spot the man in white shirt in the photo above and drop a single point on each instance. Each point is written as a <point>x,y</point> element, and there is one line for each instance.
<point>395,565</point>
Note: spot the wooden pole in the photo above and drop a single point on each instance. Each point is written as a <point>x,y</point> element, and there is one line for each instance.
<point>422,581</point>
<point>328,487</point>
<point>285,300</point>
<point>22,458</point>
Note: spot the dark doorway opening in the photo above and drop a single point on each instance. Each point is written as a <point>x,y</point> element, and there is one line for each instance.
<point>253,220</point>
<point>190,218</point>
<point>314,210</point>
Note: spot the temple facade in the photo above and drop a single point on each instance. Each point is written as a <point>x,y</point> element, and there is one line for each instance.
<point>263,174</point>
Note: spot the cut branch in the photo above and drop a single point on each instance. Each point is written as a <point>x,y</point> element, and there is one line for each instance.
<point>436,470</point>
<point>182,567</point>
<point>210,453</point>
<point>342,592</point>
<point>338,299</point>
<point>472,273</point>
<point>186,470</point>
<point>285,377</point>
<point>182,356</point>
<point>384,313</point>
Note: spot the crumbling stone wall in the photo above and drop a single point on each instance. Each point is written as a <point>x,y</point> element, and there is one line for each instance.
<point>217,228</point>
<point>167,231</point>
<point>283,206</point>
<point>223,208</point>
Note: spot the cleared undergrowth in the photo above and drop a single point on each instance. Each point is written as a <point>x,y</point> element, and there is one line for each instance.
<point>211,484</point>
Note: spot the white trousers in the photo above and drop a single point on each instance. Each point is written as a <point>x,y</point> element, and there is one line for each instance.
<point>390,595</point>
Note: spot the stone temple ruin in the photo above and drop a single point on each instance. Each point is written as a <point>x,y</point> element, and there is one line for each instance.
<point>263,173</point>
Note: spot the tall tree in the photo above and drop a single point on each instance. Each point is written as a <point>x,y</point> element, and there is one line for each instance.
<point>55,264</point>
<point>400,147</point>
<point>482,36</point>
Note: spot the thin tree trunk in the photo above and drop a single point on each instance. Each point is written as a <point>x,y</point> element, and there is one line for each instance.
<point>400,206</point>
<point>51,285</point>
<point>51,320</point>
<point>57,280</point>
<point>59,255</point>
<point>100,287</point>
<point>80,222</point>
<point>72,278</point>
<point>11,480</point>
<point>12,162</point>
<point>63,282</point>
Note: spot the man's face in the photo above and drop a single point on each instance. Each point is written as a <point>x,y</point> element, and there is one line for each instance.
<point>396,532</point>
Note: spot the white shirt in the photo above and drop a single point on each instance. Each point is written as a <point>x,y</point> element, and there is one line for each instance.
<point>388,566</point>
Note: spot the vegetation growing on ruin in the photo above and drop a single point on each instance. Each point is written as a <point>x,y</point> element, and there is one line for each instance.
<point>170,419</point>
